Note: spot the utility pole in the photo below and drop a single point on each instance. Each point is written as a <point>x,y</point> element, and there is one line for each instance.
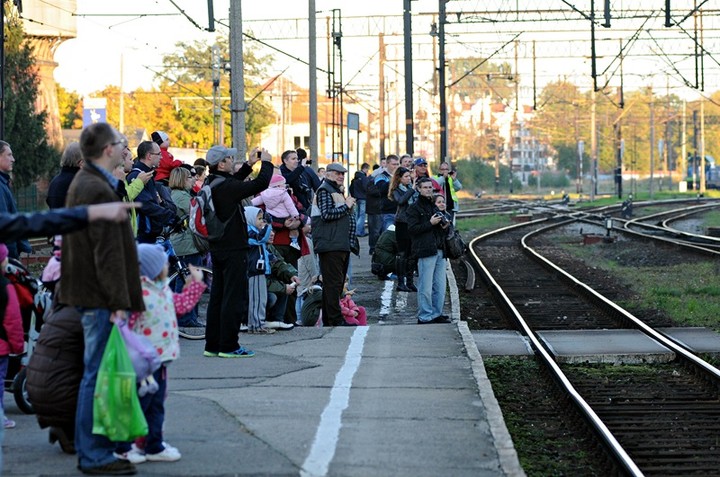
<point>652,142</point>
<point>593,142</point>
<point>217,118</point>
<point>702,145</point>
<point>237,80</point>
<point>683,144</point>
<point>381,77</point>
<point>441,69</point>
<point>314,151</point>
<point>407,36</point>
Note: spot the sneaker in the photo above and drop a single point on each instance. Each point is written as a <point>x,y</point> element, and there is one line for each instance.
<point>286,326</point>
<point>192,332</point>
<point>210,354</point>
<point>9,424</point>
<point>261,331</point>
<point>241,352</point>
<point>133,456</point>
<point>169,454</point>
<point>243,328</point>
<point>279,325</point>
<point>116,467</point>
<point>295,245</point>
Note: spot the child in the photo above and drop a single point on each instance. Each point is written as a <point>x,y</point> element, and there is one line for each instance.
<point>258,267</point>
<point>158,323</point>
<point>354,315</point>
<point>279,204</point>
<point>11,333</point>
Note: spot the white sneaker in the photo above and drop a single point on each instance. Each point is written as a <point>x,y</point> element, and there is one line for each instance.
<point>243,328</point>
<point>279,325</point>
<point>132,456</point>
<point>169,454</point>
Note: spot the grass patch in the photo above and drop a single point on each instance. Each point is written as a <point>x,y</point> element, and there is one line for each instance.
<point>485,223</point>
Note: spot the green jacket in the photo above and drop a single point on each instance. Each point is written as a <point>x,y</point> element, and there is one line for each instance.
<point>281,272</point>
<point>133,190</point>
<point>182,242</point>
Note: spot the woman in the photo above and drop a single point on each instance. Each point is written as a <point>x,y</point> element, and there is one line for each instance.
<point>403,193</point>
<point>180,183</point>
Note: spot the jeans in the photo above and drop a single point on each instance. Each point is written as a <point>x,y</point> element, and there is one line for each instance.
<point>375,223</point>
<point>190,318</point>
<point>153,407</point>
<point>93,450</point>
<point>387,221</point>
<point>276,304</point>
<point>360,217</point>
<point>431,286</point>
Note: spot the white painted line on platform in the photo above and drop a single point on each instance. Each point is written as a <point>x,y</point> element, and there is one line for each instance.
<point>386,298</point>
<point>326,438</point>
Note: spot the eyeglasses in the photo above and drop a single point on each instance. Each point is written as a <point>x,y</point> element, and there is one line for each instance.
<point>156,153</point>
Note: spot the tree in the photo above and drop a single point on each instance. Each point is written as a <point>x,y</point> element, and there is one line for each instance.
<point>24,127</point>
<point>70,106</point>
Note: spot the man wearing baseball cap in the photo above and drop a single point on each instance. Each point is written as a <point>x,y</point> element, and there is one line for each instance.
<point>333,239</point>
<point>420,168</point>
<point>229,294</point>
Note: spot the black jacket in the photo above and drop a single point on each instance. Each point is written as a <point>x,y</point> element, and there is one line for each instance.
<point>153,215</point>
<point>358,185</point>
<point>427,238</point>
<point>59,185</point>
<point>228,197</point>
<point>301,183</point>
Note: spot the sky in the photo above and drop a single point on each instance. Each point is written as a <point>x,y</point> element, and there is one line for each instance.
<point>152,28</point>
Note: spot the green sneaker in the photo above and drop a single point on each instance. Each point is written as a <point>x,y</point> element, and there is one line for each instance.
<point>238,353</point>
<point>210,354</point>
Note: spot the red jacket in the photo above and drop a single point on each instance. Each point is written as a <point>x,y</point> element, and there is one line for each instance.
<point>167,164</point>
<point>12,322</point>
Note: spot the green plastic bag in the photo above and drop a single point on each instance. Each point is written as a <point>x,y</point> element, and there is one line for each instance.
<point>116,407</point>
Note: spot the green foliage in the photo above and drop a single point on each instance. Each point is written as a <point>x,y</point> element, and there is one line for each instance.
<point>70,106</point>
<point>479,175</point>
<point>24,127</point>
<point>550,179</point>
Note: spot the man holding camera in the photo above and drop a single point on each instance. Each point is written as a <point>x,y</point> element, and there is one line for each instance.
<point>293,170</point>
<point>427,228</point>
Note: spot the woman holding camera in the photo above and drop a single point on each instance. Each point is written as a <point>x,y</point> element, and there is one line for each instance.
<point>402,192</point>
<point>427,229</point>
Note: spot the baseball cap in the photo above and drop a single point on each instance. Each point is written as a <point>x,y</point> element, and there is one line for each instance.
<point>336,167</point>
<point>217,153</point>
<point>420,162</point>
<point>159,137</point>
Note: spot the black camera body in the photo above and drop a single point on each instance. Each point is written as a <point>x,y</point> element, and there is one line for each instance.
<point>260,265</point>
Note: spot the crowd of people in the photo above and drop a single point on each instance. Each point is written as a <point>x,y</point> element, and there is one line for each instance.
<point>288,234</point>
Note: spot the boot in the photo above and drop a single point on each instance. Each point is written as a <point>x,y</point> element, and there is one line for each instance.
<point>409,275</point>
<point>400,271</point>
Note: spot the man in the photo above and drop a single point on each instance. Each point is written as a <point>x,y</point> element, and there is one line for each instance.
<point>449,185</point>
<point>406,161</point>
<point>293,170</point>
<point>313,179</point>
<point>388,207</point>
<point>420,168</point>
<point>428,240</point>
<point>70,163</point>
<point>7,200</point>
<point>229,294</point>
<point>358,190</point>
<point>101,279</point>
<point>333,238</point>
<point>154,213</point>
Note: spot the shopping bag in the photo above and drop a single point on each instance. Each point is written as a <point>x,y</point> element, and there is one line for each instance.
<point>116,406</point>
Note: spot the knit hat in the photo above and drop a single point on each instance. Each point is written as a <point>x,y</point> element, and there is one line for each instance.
<point>3,252</point>
<point>159,137</point>
<point>277,180</point>
<point>152,259</point>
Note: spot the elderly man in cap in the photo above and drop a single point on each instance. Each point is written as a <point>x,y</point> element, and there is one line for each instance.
<point>229,294</point>
<point>333,239</point>
<point>420,168</point>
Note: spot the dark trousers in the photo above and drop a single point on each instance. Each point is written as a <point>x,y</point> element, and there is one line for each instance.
<point>333,267</point>
<point>290,255</point>
<point>375,223</point>
<point>228,300</point>
<point>153,407</point>
<point>276,305</point>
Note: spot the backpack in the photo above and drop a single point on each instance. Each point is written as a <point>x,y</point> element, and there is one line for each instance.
<point>454,245</point>
<point>203,220</point>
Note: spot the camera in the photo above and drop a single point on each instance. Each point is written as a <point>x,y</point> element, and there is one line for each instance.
<point>259,154</point>
<point>260,265</point>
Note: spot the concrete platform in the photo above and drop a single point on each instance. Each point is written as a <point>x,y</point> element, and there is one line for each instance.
<point>394,398</point>
<point>599,346</point>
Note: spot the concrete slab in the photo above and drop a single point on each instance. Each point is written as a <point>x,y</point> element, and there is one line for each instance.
<point>605,346</point>
<point>698,339</point>
<point>502,343</point>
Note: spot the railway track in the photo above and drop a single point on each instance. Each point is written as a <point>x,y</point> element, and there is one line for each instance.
<point>652,419</point>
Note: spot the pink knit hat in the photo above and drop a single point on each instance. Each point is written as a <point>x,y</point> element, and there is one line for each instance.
<point>277,180</point>
<point>3,252</point>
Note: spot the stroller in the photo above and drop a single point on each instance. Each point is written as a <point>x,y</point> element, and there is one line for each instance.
<point>35,301</point>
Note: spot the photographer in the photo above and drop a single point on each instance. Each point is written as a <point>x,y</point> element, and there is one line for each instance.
<point>427,227</point>
<point>294,170</point>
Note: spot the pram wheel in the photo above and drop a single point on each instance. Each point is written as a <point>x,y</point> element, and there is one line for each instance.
<point>20,392</point>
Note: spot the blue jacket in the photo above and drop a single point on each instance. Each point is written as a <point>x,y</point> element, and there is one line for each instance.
<point>153,215</point>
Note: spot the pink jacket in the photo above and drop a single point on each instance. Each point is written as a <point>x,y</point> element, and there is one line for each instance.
<point>15,343</point>
<point>349,309</point>
<point>278,203</point>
